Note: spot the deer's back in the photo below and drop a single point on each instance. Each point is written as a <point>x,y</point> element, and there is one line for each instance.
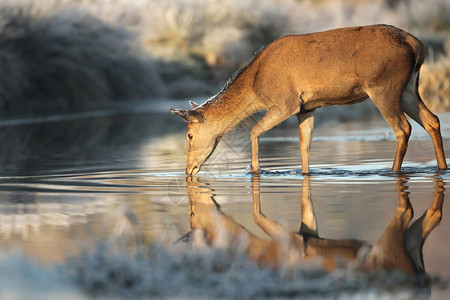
<point>336,64</point>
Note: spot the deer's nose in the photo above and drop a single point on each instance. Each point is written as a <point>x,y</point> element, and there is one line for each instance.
<point>193,171</point>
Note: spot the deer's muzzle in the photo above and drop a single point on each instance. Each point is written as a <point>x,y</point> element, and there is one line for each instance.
<point>193,170</point>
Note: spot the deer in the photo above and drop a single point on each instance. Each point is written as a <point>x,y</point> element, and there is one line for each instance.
<point>296,74</point>
<point>398,248</point>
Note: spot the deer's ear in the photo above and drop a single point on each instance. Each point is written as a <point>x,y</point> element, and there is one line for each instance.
<point>187,238</point>
<point>184,114</point>
<point>192,116</point>
<point>193,104</point>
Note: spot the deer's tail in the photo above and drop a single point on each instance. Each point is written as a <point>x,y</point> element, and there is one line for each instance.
<point>421,55</point>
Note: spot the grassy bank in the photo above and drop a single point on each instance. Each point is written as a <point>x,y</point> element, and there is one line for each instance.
<point>68,60</point>
<point>71,55</point>
<point>435,82</point>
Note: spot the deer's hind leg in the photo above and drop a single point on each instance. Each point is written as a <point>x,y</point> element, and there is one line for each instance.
<point>421,228</point>
<point>389,102</point>
<point>390,252</point>
<point>309,221</point>
<point>415,108</point>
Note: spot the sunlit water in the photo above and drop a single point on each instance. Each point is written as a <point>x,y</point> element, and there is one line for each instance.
<point>68,184</point>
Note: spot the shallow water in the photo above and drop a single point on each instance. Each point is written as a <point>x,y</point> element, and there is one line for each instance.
<point>67,182</point>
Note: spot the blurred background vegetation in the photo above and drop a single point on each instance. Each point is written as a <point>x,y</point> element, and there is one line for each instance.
<point>72,55</point>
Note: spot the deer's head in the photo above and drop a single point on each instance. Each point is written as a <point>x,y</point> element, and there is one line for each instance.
<point>204,213</point>
<point>203,136</point>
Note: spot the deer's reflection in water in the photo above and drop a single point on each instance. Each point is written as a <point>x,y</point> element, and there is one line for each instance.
<point>398,248</point>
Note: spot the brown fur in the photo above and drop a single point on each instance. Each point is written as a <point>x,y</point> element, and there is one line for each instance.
<point>297,74</point>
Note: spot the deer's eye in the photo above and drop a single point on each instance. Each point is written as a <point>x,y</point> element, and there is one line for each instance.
<point>190,136</point>
<point>192,214</point>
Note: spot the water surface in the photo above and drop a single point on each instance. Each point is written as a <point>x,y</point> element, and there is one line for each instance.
<point>67,182</point>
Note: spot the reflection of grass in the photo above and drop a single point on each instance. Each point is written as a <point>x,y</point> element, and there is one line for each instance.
<point>81,145</point>
<point>185,273</point>
<point>200,271</point>
<point>57,54</point>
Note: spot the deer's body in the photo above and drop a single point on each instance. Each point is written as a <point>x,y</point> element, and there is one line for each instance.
<point>399,247</point>
<point>298,73</point>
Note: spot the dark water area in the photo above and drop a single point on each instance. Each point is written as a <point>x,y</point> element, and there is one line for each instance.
<point>68,183</point>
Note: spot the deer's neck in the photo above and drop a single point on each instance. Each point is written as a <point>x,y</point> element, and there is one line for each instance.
<point>221,228</point>
<point>233,104</point>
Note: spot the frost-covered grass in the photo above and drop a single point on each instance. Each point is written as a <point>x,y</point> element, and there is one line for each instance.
<point>68,60</point>
<point>68,55</point>
<point>435,82</point>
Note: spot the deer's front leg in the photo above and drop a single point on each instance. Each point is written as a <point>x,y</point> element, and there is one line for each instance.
<point>273,117</point>
<point>305,128</point>
<point>255,155</point>
<point>273,229</point>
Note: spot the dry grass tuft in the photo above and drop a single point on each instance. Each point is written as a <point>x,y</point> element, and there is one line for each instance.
<point>434,84</point>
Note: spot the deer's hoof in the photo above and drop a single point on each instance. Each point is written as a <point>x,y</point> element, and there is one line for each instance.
<point>255,170</point>
<point>252,170</point>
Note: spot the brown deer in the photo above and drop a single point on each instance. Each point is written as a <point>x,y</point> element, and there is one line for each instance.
<point>296,74</point>
<point>399,247</point>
